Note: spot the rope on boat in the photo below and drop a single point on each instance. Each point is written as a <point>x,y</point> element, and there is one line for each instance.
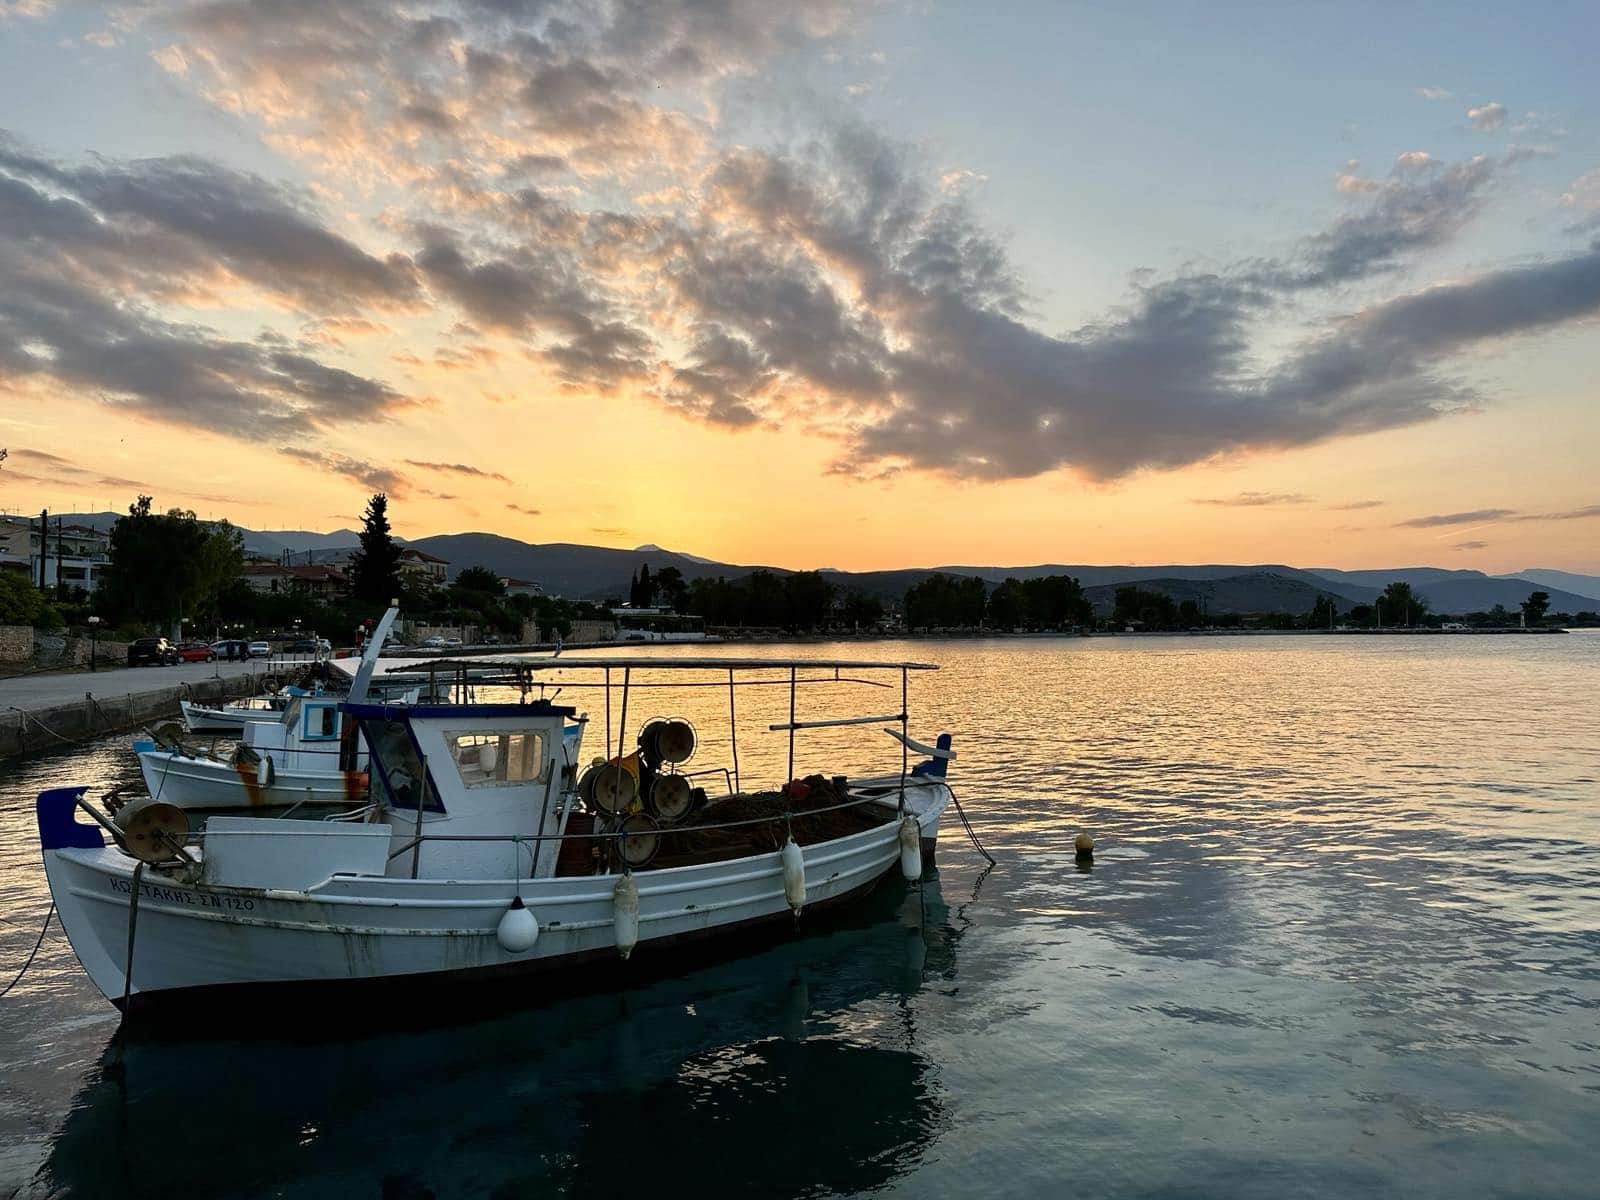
<point>32,953</point>
<point>967,825</point>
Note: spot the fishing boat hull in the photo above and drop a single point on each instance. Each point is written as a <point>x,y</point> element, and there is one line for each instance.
<point>195,938</point>
<point>229,719</point>
<point>218,786</point>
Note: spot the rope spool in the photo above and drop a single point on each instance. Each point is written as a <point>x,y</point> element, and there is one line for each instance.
<point>671,798</point>
<point>151,828</point>
<point>675,741</point>
<point>616,785</point>
<point>643,840</point>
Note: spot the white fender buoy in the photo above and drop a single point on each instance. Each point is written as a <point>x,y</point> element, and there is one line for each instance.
<point>625,914</point>
<point>264,772</point>
<point>518,929</point>
<point>794,875</point>
<point>910,848</point>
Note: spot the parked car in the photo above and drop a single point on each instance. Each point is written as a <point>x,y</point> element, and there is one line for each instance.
<point>196,652</point>
<point>435,643</point>
<point>303,646</point>
<point>452,643</point>
<point>153,652</point>
<point>259,650</point>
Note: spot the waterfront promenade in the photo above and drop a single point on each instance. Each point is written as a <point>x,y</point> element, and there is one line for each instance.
<point>49,710</point>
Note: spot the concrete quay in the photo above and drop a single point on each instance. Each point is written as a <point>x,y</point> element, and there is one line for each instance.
<point>48,711</point>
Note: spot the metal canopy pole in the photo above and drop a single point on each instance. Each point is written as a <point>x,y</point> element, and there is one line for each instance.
<point>733,731</point>
<point>622,725</point>
<point>791,722</point>
<point>905,733</point>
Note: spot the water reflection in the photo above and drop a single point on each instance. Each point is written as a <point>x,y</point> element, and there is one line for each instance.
<point>794,1071</point>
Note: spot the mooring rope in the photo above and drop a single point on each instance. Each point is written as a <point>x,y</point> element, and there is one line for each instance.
<point>32,953</point>
<point>967,825</point>
<point>28,716</point>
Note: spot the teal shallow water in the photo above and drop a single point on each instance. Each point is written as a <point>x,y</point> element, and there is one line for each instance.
<point>1341,936</point>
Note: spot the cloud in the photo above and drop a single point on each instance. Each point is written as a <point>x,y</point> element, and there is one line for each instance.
<point>374,478</point>
<point>1470,546</point>
<point>1573,514</point>
<point>171,222</point>
<point>838,283</point>
<point>1421,205</point>
<point>1356,505</point>
<point>1474,517</point>
<point>1256,500</point>
<point>527,512</point>
<point>1487,117</point>
<point>458,469</point>
<point>90,256</point>
<point>1434,93</point>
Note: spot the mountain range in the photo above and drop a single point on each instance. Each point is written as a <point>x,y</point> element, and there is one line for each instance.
<point>596,572</point>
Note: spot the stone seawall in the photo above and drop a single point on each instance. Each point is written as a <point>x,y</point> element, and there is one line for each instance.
<point>34,730</point>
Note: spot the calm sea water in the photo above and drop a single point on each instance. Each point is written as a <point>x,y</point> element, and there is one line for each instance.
<point>1341,937</point>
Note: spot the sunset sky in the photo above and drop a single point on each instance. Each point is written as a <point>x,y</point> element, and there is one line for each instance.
<point>850,285</point>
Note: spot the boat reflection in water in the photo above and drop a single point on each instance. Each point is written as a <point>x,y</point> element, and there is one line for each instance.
<point>795,1070</point>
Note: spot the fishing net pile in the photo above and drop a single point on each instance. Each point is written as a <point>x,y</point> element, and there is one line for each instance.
<point>803,804</point>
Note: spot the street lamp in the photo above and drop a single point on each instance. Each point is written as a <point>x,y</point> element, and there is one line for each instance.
<point>94,643</point>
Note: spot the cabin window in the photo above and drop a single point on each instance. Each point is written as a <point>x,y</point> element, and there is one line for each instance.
<point>497,759</point>
<point>321,722</point>
<point>397,768</point>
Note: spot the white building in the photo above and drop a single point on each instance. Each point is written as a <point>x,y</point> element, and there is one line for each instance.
<point>70,554</point>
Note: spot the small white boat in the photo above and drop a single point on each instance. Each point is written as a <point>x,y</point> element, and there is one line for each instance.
<point>305,754</point>
<point>232,718</point>
<point>478,856</point>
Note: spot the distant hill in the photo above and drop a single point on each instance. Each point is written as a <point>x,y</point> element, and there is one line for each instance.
<point>1251,592</point>
<point>1546,577</point>
<point>1463,591</point>
<point>300,540</point>
<point>563,568</point>
<point>595,572</point>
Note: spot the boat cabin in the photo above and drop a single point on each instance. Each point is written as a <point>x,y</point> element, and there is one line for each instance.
<point>464,782</point>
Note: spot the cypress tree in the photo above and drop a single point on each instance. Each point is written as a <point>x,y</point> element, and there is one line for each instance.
<point>375,568</point>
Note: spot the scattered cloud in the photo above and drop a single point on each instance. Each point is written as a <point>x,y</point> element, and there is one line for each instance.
<point>1474,517</point>
<point>1487,117</point>
<point>1474,545</point>
<point>841,283</point>
<point>91,253</point>
<point>1573,514</point>
<point>1434,93</point>
<point>527,512</point>
<point>1356,505</point>
<point>1256,499</point>
<point>458,469</point>
<point>375,478</point>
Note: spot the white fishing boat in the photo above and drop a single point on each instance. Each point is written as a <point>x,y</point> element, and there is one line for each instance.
<point>232,718</point>
<point>305,755</point>
<point>482,853</point>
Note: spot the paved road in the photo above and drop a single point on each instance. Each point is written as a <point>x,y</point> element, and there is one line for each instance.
<point>44,691</point>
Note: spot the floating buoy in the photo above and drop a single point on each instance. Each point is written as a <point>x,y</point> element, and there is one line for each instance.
<point>518,929</point>
<point>794,875</point>
<point>910,848</point>
<point>264,772</point>
<point>625,914</point>
<point>1084,846</point>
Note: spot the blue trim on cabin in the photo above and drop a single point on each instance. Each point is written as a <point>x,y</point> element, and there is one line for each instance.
<point>935,768</point>
<point>143,746</point>
<point>429,712</point>
<point>319,706</point>
<point>59,828</point>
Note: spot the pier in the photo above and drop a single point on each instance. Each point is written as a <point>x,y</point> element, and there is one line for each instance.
<point>51,710</point>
